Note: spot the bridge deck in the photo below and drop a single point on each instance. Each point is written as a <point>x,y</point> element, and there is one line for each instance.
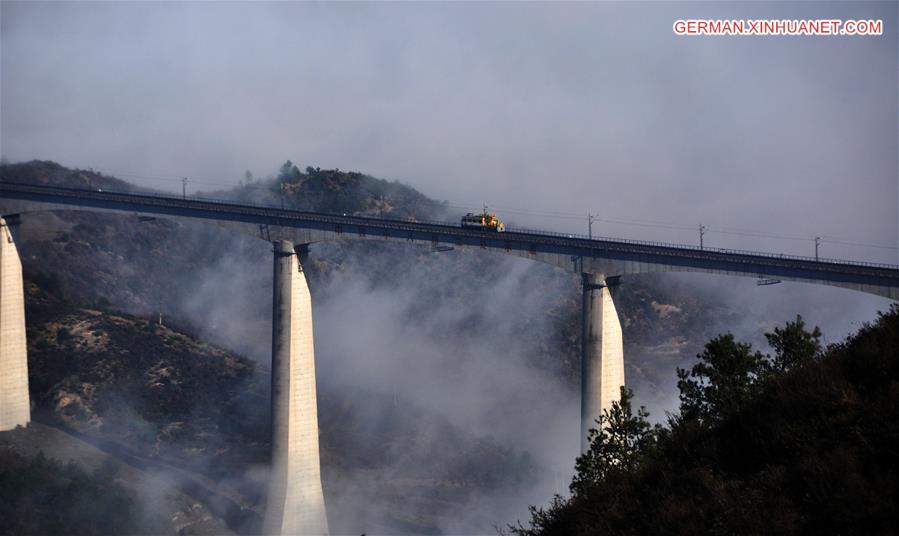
<point>522,242</point>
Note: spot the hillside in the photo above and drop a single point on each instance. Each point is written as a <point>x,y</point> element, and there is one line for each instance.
<point>161,401</point>
<point>92,492</point>
<point>51,173</point>
<point>803,441</point>
<point>430,365</point>
<point>69,500</point>
<point>332,190</point>
<point>146,266</point>
<point>144,385</point>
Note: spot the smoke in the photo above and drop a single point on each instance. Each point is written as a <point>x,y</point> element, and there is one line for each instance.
<point>437,372</point>
<point>455,342</point>
<point>448,392</point>
<point>228,301</point>
<point>428,361</point>
<point>551,107</point>
<point>454,338</point>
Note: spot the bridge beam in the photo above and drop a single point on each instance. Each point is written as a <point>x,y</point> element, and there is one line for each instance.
<point>599,255</point>
<point>296,503</point>
<point>15,407</point>
<point>602,352</point>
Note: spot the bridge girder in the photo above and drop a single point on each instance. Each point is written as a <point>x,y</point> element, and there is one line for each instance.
<point>609,258</point>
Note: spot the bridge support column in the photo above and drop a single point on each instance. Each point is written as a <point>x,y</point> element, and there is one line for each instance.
<point>15,407</point>
<point>296,503</point>
<point>602,353</point>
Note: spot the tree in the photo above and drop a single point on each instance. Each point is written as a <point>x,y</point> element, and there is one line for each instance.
<point>722,382</point>
<point>616,445</point>
<point>793,345</point>
<point>288,172</point>
<point>801,442</point>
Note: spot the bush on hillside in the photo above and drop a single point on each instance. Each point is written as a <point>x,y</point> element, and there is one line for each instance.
<point>801,441</point>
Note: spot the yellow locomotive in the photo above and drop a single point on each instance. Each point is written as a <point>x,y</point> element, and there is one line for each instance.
<point>485,220</point>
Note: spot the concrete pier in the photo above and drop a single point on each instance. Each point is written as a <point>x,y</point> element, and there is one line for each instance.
<point>15,407</point>
<point>296,504</point>
<point>602,353</point>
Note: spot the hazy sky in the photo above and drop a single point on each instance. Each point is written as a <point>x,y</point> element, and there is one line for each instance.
<point>556,107</point>
<point>562,107</point>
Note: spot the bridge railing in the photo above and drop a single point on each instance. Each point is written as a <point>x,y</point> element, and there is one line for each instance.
<point>525,230</point>
<point>452,225</point>
<point>693,248</point>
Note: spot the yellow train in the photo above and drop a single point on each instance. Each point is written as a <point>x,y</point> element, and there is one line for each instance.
<point>485,220</point>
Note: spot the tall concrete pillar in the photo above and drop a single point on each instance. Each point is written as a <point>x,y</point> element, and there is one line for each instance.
<point>296,504</point>
<point>602,353</point>
<point>15,408</point>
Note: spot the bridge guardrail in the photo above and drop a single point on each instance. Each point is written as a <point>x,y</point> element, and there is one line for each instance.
<point>447,226</point>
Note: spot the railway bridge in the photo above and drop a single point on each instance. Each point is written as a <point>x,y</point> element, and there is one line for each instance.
<point>295,500</point>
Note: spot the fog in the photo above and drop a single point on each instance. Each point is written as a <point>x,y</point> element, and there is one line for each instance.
<point>436,337</point>
<point>563,108</point>
<point>462,345</point>
<point>433,338</point>
<point>544,111</point>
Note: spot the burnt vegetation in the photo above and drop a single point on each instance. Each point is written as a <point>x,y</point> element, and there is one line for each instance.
<point>39,495</point>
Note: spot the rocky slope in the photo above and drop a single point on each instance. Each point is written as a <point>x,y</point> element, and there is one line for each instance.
<point>140,383</point>
<point>195,415</point>
<point>445,379</point>
<point>332,190</point>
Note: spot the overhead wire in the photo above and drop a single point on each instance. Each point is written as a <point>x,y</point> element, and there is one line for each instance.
<point>680,226</point>
<point>174,179</point>
<point>694,227</point>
